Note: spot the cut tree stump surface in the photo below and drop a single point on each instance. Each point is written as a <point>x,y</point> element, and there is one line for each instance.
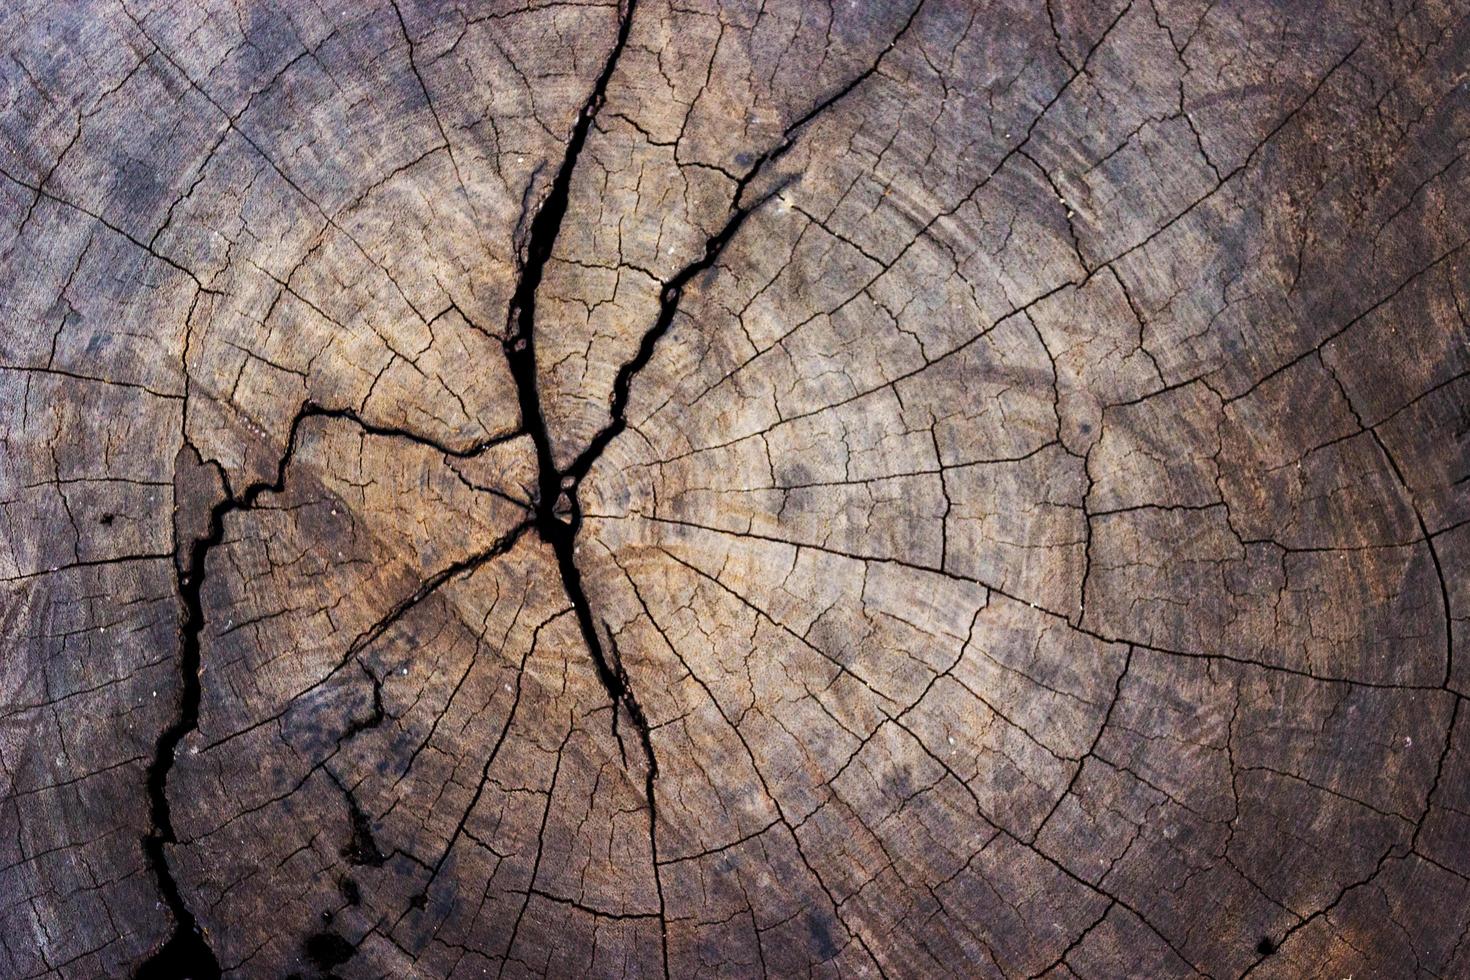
<point>734,489</point>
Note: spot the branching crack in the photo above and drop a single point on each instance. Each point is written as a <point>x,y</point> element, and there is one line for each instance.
<point>187,951</point>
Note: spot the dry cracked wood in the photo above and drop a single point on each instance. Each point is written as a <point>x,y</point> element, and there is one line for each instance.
<point>724,488</point>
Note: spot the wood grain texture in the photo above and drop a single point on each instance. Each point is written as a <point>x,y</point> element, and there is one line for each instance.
<point>729,488</point>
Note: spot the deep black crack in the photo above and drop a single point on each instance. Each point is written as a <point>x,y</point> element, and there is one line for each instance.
<point>187,953</point>
<point>668,306</point>
<point>558,516</point>
<point>558,513</point>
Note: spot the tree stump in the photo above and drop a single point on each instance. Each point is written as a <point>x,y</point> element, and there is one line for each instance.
<point>732,489</point>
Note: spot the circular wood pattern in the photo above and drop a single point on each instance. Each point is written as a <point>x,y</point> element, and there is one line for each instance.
<point>731,488</point>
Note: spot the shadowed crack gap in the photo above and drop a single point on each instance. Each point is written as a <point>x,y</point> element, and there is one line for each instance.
<point>520,351</point>
<point>557,512</point>
<point>558,515</point>
<point>186,952</point>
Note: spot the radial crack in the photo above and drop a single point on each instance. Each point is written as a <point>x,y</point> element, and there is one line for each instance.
<point>558,516</point>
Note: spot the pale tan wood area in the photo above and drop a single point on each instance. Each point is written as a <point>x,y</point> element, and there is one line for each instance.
<point>732,489</point>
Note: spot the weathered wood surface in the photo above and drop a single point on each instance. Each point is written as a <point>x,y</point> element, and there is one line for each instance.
<point>733,488</point>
